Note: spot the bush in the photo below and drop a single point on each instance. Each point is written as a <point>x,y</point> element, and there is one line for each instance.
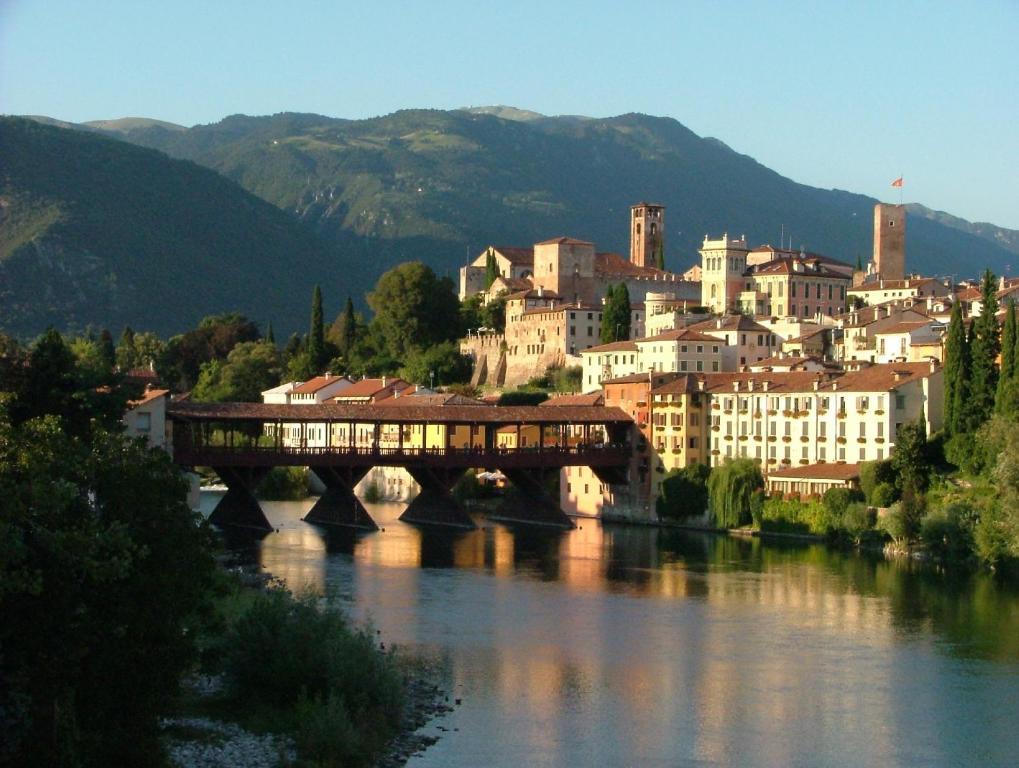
<point>836,500</point>
<point>284,484</point>
<point>373,494</point>
<point>857,519</point>
<point>948,532</point>
<point>522,397</point>
<point>780,515</point>
<point>684,492</point>
<point>873,474</point>
<point>730,487</point>
<point>884,495</point>
<point>960,450</point>
<point>322,677</point>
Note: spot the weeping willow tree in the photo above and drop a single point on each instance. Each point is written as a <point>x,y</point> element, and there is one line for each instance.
<point>730,488</point>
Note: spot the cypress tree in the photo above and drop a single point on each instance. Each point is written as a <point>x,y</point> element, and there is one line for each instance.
<point>615,324</point>
<point>660,254</point>
<point>316,335</point>
<point>859,263</point>
<point>269,335</point>
<point>1007,375</point>
<point>491,270</point>
<point>955,350</point>
<point>349,327</point>
<point>107,348</point>
<point>984,353</point>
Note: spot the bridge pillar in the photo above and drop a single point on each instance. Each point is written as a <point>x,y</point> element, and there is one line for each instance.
<point>239,507</point>
<point>530,501</point>
<point>435,504</point>
<point>339,505</point>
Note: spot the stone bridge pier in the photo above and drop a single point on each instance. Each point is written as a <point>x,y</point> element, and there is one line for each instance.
<point>339,505</point>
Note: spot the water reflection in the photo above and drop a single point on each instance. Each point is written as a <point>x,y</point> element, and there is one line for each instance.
<point>612,645</point>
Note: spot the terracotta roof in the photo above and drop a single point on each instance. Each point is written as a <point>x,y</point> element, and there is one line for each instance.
<point>437,398</point>
<point>532,414</point>
<point>613,264</point>
<point>148,397</point>
<point>807,335</point>
<point>561,308</point>
<point>738,322</point>
<point>905,327</point>
<point>679,386</point>
<point>892,285</point>
<point>513,254</point>
<point>514,284</point>
<point>777,381</point>
<point>660,377</point>
<point>314,385</point>
<point>784,362</point>
<point>564,241</point>
<point>369,387</point>
<point>788,253</point>
<point>626,345</point>
<point>784,266</point>
<point>591,398</point>
<point>882,378</point>
<point>681,334</point>
<point>818,472</point>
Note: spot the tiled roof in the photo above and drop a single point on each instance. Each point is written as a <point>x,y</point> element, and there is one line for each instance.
<point>905,327</point>
<point>778,381</point>
<point>612,346</point>
<point>612,264</point>
<point>882,378</point>
<point>369,387</point>
<point>561,308</point>
<point>738,322</point>
<point>679,386</point>
<point>818,472</point>
<point>514,254</point>
<point>681,334</point>
<point>591,398</point>
<point>784,266</point>
<point>788,253</point>
<point>314,385</point>
<point>659,377</point>
<point>891,285</point>
<point>785,362</point>
<point>528,414</point>
<point>438,398</point>
<point>564,241</point>
<point>148,397</point>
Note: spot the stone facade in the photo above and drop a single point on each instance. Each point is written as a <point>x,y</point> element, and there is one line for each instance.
<point>647,233</point>
<point>723,263</point>
<point>890,241</point>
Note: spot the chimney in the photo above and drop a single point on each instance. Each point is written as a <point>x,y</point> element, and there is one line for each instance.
<point>750,385</point>
<point>765,384</point>
<point>817,384</point>
<point>700,384</point>
<point>1001,283</point>
<point>934,365</point>
<point>735,386</point>
<point>383,382</point>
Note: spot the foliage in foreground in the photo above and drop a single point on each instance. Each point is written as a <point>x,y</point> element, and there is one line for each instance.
<point>320,679</point>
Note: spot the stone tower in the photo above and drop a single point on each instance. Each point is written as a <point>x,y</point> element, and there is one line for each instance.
<point>566,266</point>
<point>647,233</point>
<point>723,263</point>
<point>890,241</point>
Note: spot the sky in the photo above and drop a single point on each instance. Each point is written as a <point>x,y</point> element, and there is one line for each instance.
<point>835,94</point>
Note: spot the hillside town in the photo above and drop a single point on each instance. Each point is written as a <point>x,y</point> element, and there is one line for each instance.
<point>802,363</point>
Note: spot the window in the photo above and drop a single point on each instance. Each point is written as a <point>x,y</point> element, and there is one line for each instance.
<point>693,442</point>
<point>714,366</point>
<point>714,348</point>
<point>682,365</point>
<point>682,348</point>
<point>573,330</point>
<point>143,422</point>
<point>700,365</point>
<point>589,331</point>
<point>900,402</point>
<point>700,348</point>
<point>792,290</point>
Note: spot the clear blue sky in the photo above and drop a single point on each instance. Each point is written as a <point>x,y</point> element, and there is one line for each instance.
<point>832,94</point>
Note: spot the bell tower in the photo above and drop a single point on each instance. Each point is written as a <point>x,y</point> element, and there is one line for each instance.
<point>647,235</point>
<point>890,241</point>
<point>723,263</point>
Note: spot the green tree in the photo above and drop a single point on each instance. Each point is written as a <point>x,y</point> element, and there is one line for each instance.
<point>956,371</point>
<point>984,353</point>
<point>215,336</point>
<point>730,487</point>
<point>316,333</point>
<point>107,349</point>
<point>616,314</point>
<point>126,350</point>
<point>269,335</point>
<point>659,253</point>
<point>910,458</point>
<point>1007,375</point>
<point>414,309</point>
<point>249,369</point>
<point>684,492</point>
<point>103,569</point>
<point>442,364</point>
<point>491,270</point>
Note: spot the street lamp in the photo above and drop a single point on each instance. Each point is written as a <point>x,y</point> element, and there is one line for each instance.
<point>431,379</point>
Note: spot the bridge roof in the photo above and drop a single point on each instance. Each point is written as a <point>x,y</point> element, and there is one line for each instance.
<point>391,414</point>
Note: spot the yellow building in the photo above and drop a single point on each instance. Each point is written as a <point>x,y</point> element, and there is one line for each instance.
<point>679,421</point>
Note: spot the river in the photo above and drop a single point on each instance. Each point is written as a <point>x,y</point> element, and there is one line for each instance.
<point>632,646</point>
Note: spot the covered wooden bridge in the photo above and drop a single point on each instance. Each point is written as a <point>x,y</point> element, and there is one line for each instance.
<point>436,444</point>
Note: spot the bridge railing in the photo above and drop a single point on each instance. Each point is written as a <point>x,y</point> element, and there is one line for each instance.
<point>187,447</point>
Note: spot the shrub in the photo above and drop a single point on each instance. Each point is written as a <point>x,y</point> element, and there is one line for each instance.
<point>884,495</point>
<point>284,484</point>
<point>287,655</point>
<point>948,532</point>
<point>960,450</point>
<point>857,519</point>
<point>873,474</point>
<point>729,489</point>
<point>373,494</point>
<point>684,492</point>
<point>836,500</point>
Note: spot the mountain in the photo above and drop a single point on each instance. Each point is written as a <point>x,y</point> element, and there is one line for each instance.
<point>99,232</point>
<point>128,124</point>
<point>1006,238</point>
<point>440,185</point>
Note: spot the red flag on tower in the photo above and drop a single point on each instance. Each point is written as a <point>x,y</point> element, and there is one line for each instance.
<point>897,182</point>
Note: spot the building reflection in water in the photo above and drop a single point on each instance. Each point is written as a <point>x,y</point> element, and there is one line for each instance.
<point>733,647</point>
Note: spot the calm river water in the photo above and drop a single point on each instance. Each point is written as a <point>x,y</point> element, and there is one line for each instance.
<point>629,646</point>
